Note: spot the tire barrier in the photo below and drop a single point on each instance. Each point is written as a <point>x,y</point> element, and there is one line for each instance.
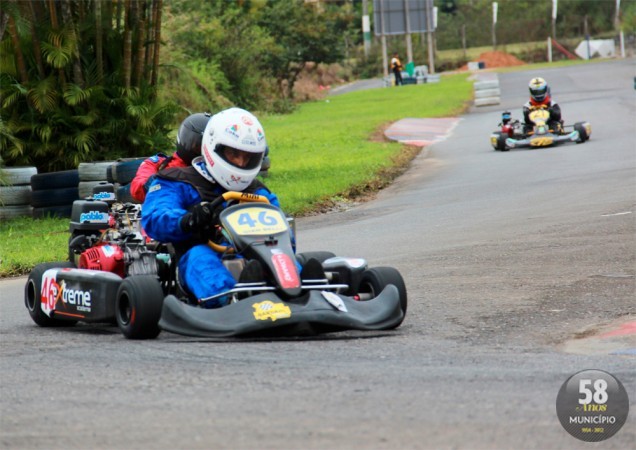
<point>487,90</point>
<point>124,170</point>
<point>54,193</point>
<point>91,174</point>
<point>123,194</point>
<point>15,196</point>
<point>94,171</point>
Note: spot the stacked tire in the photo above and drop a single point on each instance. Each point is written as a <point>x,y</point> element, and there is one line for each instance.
<point>123,171</point>
<point>15,196</point>
<point>91,174</point>
<point>53,193</point>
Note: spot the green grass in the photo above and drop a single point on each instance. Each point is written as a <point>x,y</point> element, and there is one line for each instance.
<point>318,153</point>
<point>26,242</point>
<point>324,148</point>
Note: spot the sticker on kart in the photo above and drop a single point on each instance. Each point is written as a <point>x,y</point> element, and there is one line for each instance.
<point>257,221</point>
<point>541,141</point>
<point>270,310</point>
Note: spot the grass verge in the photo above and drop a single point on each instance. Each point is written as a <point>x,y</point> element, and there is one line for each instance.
<point>328,150</point>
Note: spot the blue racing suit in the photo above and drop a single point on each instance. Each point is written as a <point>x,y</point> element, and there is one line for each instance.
<point>169,198</point>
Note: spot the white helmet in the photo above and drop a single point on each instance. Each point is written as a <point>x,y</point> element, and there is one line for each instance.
<point>230,134</point>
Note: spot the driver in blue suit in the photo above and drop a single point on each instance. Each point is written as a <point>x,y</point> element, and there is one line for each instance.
<point>176,209</point>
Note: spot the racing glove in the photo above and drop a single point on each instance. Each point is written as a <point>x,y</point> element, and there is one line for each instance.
<point>200,221</point>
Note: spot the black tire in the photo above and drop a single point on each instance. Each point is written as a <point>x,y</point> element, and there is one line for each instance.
<point>123,194</point>
<point>15,195</point>
<point>94,171</point>
<point>374,281</point>
<point>54,197</point>
<point>59,211</point>
<point>138,307</point>
<point>32,291</point>
<point>85,188</point>
<point>11,212</point>
<point>109,174</point>
<point>124,171</point>
<point>320,256</point>
<point>500,144</point>
<point>17,176</point>
<point>583,136</point>
<point>55,180</point>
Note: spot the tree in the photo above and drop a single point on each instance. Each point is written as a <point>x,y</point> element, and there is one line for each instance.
<point>302,34</point>
<point>67,87</point>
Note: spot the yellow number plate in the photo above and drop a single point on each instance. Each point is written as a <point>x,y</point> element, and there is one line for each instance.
<point>257,221</point>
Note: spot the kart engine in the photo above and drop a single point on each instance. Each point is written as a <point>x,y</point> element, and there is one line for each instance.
<point>123,260</point>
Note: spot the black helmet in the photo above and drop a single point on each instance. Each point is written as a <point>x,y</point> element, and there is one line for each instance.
<point>190,135</point>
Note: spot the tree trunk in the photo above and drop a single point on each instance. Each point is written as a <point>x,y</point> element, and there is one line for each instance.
<point>37,49</point>
<point>98,41</point>
<point>78,77</point>
<point>140,28</point>
<point>55,25</point>
<point>19,57</point>
<point>158,5</point>
<point>53,15</point>
<point>126,68</point>
<point>120,4</point>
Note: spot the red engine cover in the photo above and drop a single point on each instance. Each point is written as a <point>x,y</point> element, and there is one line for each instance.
<point>108,258</point>
<point>507,129</point>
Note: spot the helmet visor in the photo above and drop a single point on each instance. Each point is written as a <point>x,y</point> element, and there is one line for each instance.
<point>539,93</point>
<point>239,158</point>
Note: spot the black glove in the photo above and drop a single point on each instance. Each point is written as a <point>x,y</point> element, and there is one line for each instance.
<point>200,221</point>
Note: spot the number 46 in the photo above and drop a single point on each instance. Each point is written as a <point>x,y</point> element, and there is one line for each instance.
<point>263,219</point>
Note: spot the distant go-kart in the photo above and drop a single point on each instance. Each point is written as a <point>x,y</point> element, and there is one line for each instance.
<point>116,275</point>
<point>537,133</point>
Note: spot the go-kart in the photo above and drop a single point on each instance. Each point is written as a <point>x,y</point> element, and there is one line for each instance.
<point>539,132</point>
<point>119,275</point>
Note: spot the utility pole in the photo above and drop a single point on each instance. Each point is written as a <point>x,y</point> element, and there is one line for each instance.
<point>494,25</point>
<point>366,28</point>
<point>554,16</point>
<point>429,36</point>
<point>407,23</point>
<point>385,61</point>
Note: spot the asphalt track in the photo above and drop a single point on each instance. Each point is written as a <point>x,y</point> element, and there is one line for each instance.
<point>517,264</point>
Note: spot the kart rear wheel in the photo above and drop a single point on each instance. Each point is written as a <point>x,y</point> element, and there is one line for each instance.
<point>579,126</point>
<point>374,281</point>
<point>138,307</point>
<point>320,256</point>
<point>32,295</point>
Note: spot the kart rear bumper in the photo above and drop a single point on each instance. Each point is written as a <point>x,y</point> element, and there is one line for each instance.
<point>268,314</point>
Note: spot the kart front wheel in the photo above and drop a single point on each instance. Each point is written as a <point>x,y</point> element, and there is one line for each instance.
<point>33,295</point>
<point>583,135</point>
<point>499,141</point>
<point>374,281</point>
<point>138,307</point>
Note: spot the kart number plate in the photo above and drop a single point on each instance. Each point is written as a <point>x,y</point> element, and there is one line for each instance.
<point>541,141</point>
<point>257,221</point>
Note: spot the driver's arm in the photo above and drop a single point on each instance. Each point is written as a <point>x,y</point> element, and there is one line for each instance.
<point>165,205</point>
